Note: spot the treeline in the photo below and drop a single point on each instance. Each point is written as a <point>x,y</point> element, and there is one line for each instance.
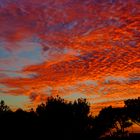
<point>60,119</point>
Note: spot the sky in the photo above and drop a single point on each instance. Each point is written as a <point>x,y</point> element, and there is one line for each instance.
<point>71,48</point>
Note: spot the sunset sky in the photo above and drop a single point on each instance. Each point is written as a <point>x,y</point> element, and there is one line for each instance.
<point>70,48</point>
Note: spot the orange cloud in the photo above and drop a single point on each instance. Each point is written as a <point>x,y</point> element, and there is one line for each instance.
<point>87,48</point>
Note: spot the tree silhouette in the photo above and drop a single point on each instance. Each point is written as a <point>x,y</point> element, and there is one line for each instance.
<point>111,121</point>
<point>103,123</point>
<point>3,107</point>
<point>133,109</point>
<point>121,122</point>
<point>64,118</point>
<point>69,120</point>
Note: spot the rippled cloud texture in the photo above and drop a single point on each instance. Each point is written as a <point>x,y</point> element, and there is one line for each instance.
<point>71,48</point>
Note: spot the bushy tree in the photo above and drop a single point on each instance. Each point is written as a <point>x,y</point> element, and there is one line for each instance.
<point>63,117</point>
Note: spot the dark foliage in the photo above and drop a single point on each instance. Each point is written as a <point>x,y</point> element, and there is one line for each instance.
<point>59,119</point>
<point>133,109</point>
